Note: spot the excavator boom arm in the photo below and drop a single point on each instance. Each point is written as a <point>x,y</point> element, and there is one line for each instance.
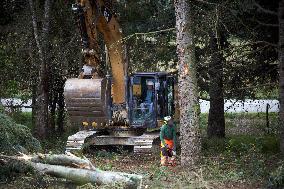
<point>96,16</point>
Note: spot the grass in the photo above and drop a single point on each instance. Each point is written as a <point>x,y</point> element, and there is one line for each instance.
<point>245,123</point>
<point>268,144</point>
<point>240,159</point>
<point>24,118</point>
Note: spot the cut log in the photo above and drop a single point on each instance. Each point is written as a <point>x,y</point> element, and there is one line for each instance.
<point>83,176</point>
<point>65,160</point>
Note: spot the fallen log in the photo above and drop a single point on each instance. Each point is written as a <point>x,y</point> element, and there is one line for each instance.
<point>78,170</point>
<point>84,176</point>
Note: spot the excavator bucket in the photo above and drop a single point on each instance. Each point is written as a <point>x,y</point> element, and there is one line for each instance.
<point>86,102</point>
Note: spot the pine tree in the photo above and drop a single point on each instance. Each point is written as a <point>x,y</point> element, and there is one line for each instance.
<point>187,83</point>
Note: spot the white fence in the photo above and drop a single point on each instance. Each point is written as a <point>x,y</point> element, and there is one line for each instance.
<point>238,106</point>
<point>17,103</point>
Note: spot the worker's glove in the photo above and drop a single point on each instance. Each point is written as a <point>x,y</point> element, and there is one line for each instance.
<point>166,146</point>
<point>174,153</point>
<point>165,151</point>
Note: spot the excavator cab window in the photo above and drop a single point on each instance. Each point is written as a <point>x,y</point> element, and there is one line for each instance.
<point>151,98</point>
<point>170,96</point>
<point>143,101</point>
<point>162,98</point>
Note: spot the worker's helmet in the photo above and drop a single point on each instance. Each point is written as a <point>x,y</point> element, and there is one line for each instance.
<point>150,83</point>
<point>167,118</point>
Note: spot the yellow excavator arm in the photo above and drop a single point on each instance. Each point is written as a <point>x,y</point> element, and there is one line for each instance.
<point>96,17</point>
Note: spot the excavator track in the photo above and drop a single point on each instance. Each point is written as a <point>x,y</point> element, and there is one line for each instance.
<point>144,143</point>
<point>75,142</point>
<point>141,144</point>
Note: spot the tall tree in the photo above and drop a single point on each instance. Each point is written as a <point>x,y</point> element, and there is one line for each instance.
<point>41,38</point>
<point>187,83</point>
<point>281,70</point>
<point>216,118</point>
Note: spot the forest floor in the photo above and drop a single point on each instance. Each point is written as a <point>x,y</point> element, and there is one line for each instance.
<point>244,159</point>
<point>245,169</point>
<point>212,173</point>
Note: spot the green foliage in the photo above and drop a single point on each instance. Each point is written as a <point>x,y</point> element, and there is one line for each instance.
<point>24,118</point>
<point>56,143</point>
<point>203,122</point>
<point>16,138</point>
<point>267,93</point>
<point>12,169</point>
<point>276,178</point>
<point>2,110</point>
<point>148,50</point>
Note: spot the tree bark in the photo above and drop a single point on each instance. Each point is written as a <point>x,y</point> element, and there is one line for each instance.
<point>281,71</point>
<point>34,82</point>
<point>216,118</point>
<point>53,102</point>
<point>61,104</point>
<point>41,121</point>
<point>187,83</point>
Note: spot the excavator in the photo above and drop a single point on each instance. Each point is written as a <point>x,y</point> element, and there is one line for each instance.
<point>109,105</point>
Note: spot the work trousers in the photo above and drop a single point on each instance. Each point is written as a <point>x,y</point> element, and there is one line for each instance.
<point>167,158</point>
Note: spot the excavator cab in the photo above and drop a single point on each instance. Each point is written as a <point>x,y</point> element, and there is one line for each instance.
<point>151,97</point>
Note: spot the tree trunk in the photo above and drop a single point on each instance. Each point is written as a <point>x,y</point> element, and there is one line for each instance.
<point>281,71</point>
<point>41,121</point>
<point>187,83</point>
<point>61,104</point>
<point>34,106</point>
<point>52,105</point>
<point>216,119</point>
<point>34,82</point>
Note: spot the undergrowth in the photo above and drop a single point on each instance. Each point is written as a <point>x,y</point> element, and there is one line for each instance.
<point>276,178</point>
<point>15,137</point>
<point>241,158</point>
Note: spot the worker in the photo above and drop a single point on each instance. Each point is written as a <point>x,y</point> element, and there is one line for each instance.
<point>149,97</point>
<point>168,142</point>
<point>150,91</point>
